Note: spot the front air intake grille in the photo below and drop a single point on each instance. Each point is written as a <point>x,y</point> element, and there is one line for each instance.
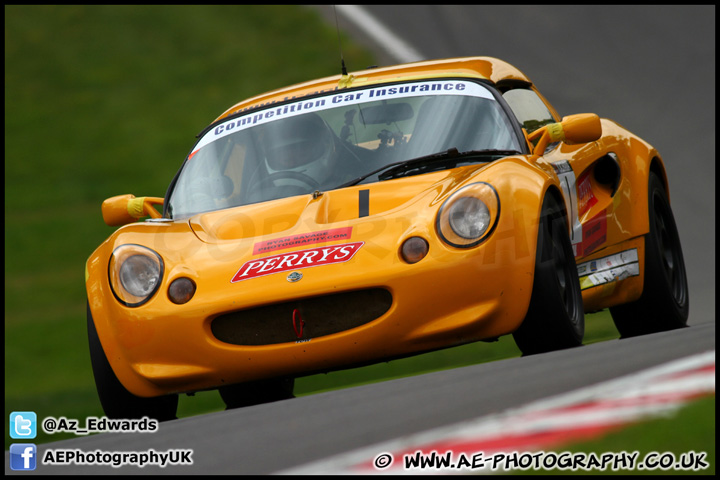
<point>301,319</point>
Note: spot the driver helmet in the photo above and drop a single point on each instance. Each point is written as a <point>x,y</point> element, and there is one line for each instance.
<point>303,144</point>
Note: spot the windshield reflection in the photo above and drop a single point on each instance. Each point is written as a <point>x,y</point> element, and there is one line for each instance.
<point>315,145</point>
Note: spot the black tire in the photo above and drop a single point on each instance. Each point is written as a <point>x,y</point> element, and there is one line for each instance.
<point>118,402</point>
<point>665,301</point>
<point>555,318</point>
<point>254,393</point>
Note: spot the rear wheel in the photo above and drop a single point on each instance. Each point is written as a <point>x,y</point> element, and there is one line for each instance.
<point>664,303</point>
<point>116,400</point>
<point>555,318</point>
<point>254,393</point>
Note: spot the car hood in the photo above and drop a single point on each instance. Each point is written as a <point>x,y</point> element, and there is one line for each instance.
<point>329,210</point>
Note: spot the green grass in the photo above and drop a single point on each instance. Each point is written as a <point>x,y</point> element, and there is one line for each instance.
<point>106,100</point>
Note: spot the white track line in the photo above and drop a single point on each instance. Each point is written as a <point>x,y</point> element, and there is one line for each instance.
<point>398,48</point>
<point>657,391</point>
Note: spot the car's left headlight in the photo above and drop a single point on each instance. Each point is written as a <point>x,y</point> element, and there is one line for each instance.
<point>469,215</point>
<point>135,274</point>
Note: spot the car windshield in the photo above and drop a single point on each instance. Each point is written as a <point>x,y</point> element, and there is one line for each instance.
<point>322,143</point>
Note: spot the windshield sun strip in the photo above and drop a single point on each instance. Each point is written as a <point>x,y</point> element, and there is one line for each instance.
<point>449,86</point>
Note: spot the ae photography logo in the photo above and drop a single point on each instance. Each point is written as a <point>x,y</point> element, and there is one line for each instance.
<point>24,456</point>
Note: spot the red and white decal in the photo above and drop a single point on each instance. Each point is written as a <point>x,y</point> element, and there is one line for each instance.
<point>302,239</point>
<point>594,234</point>
<point>312,257</point>
<point>586,197</point>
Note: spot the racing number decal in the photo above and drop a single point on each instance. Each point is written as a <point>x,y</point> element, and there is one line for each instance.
<point>567,181</point>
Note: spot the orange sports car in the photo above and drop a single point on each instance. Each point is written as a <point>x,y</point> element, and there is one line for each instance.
<point>374,215</point>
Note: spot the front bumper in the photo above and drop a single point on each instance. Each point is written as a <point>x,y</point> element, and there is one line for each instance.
<point>449,298</point>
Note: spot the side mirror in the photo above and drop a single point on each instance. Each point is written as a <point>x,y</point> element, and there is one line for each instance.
<point>581,128</point>
<point>124,209</point>
<point>573,130</point>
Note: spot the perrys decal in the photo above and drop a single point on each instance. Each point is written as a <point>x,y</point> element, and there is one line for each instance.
<point>303,239</point>
<point>312,257</point>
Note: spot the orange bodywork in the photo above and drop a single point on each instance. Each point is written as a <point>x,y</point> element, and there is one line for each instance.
<point>451,297</point>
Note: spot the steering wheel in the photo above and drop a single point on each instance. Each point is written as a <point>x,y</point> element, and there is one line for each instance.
<point>289,174</point>
<point>306,179</point>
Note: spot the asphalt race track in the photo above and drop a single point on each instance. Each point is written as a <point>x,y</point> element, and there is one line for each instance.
<point>268,438</point>
<point>652,69</point>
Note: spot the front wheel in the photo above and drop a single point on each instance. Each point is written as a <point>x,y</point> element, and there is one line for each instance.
<point>555,318</point>
<point>116,400</point>
<point>664,303</point>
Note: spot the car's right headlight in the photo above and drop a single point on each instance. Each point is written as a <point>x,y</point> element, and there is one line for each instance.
<point>469,215</point>
<point>135,274</point>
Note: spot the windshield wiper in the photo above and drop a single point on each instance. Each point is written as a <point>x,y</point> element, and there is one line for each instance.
<point>392,169</point>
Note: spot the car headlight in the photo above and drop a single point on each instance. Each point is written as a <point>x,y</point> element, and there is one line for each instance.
<point>135,274</point>
<point>469,215</point>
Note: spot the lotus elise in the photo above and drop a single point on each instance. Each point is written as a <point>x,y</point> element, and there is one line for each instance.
<point>369,216</point>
